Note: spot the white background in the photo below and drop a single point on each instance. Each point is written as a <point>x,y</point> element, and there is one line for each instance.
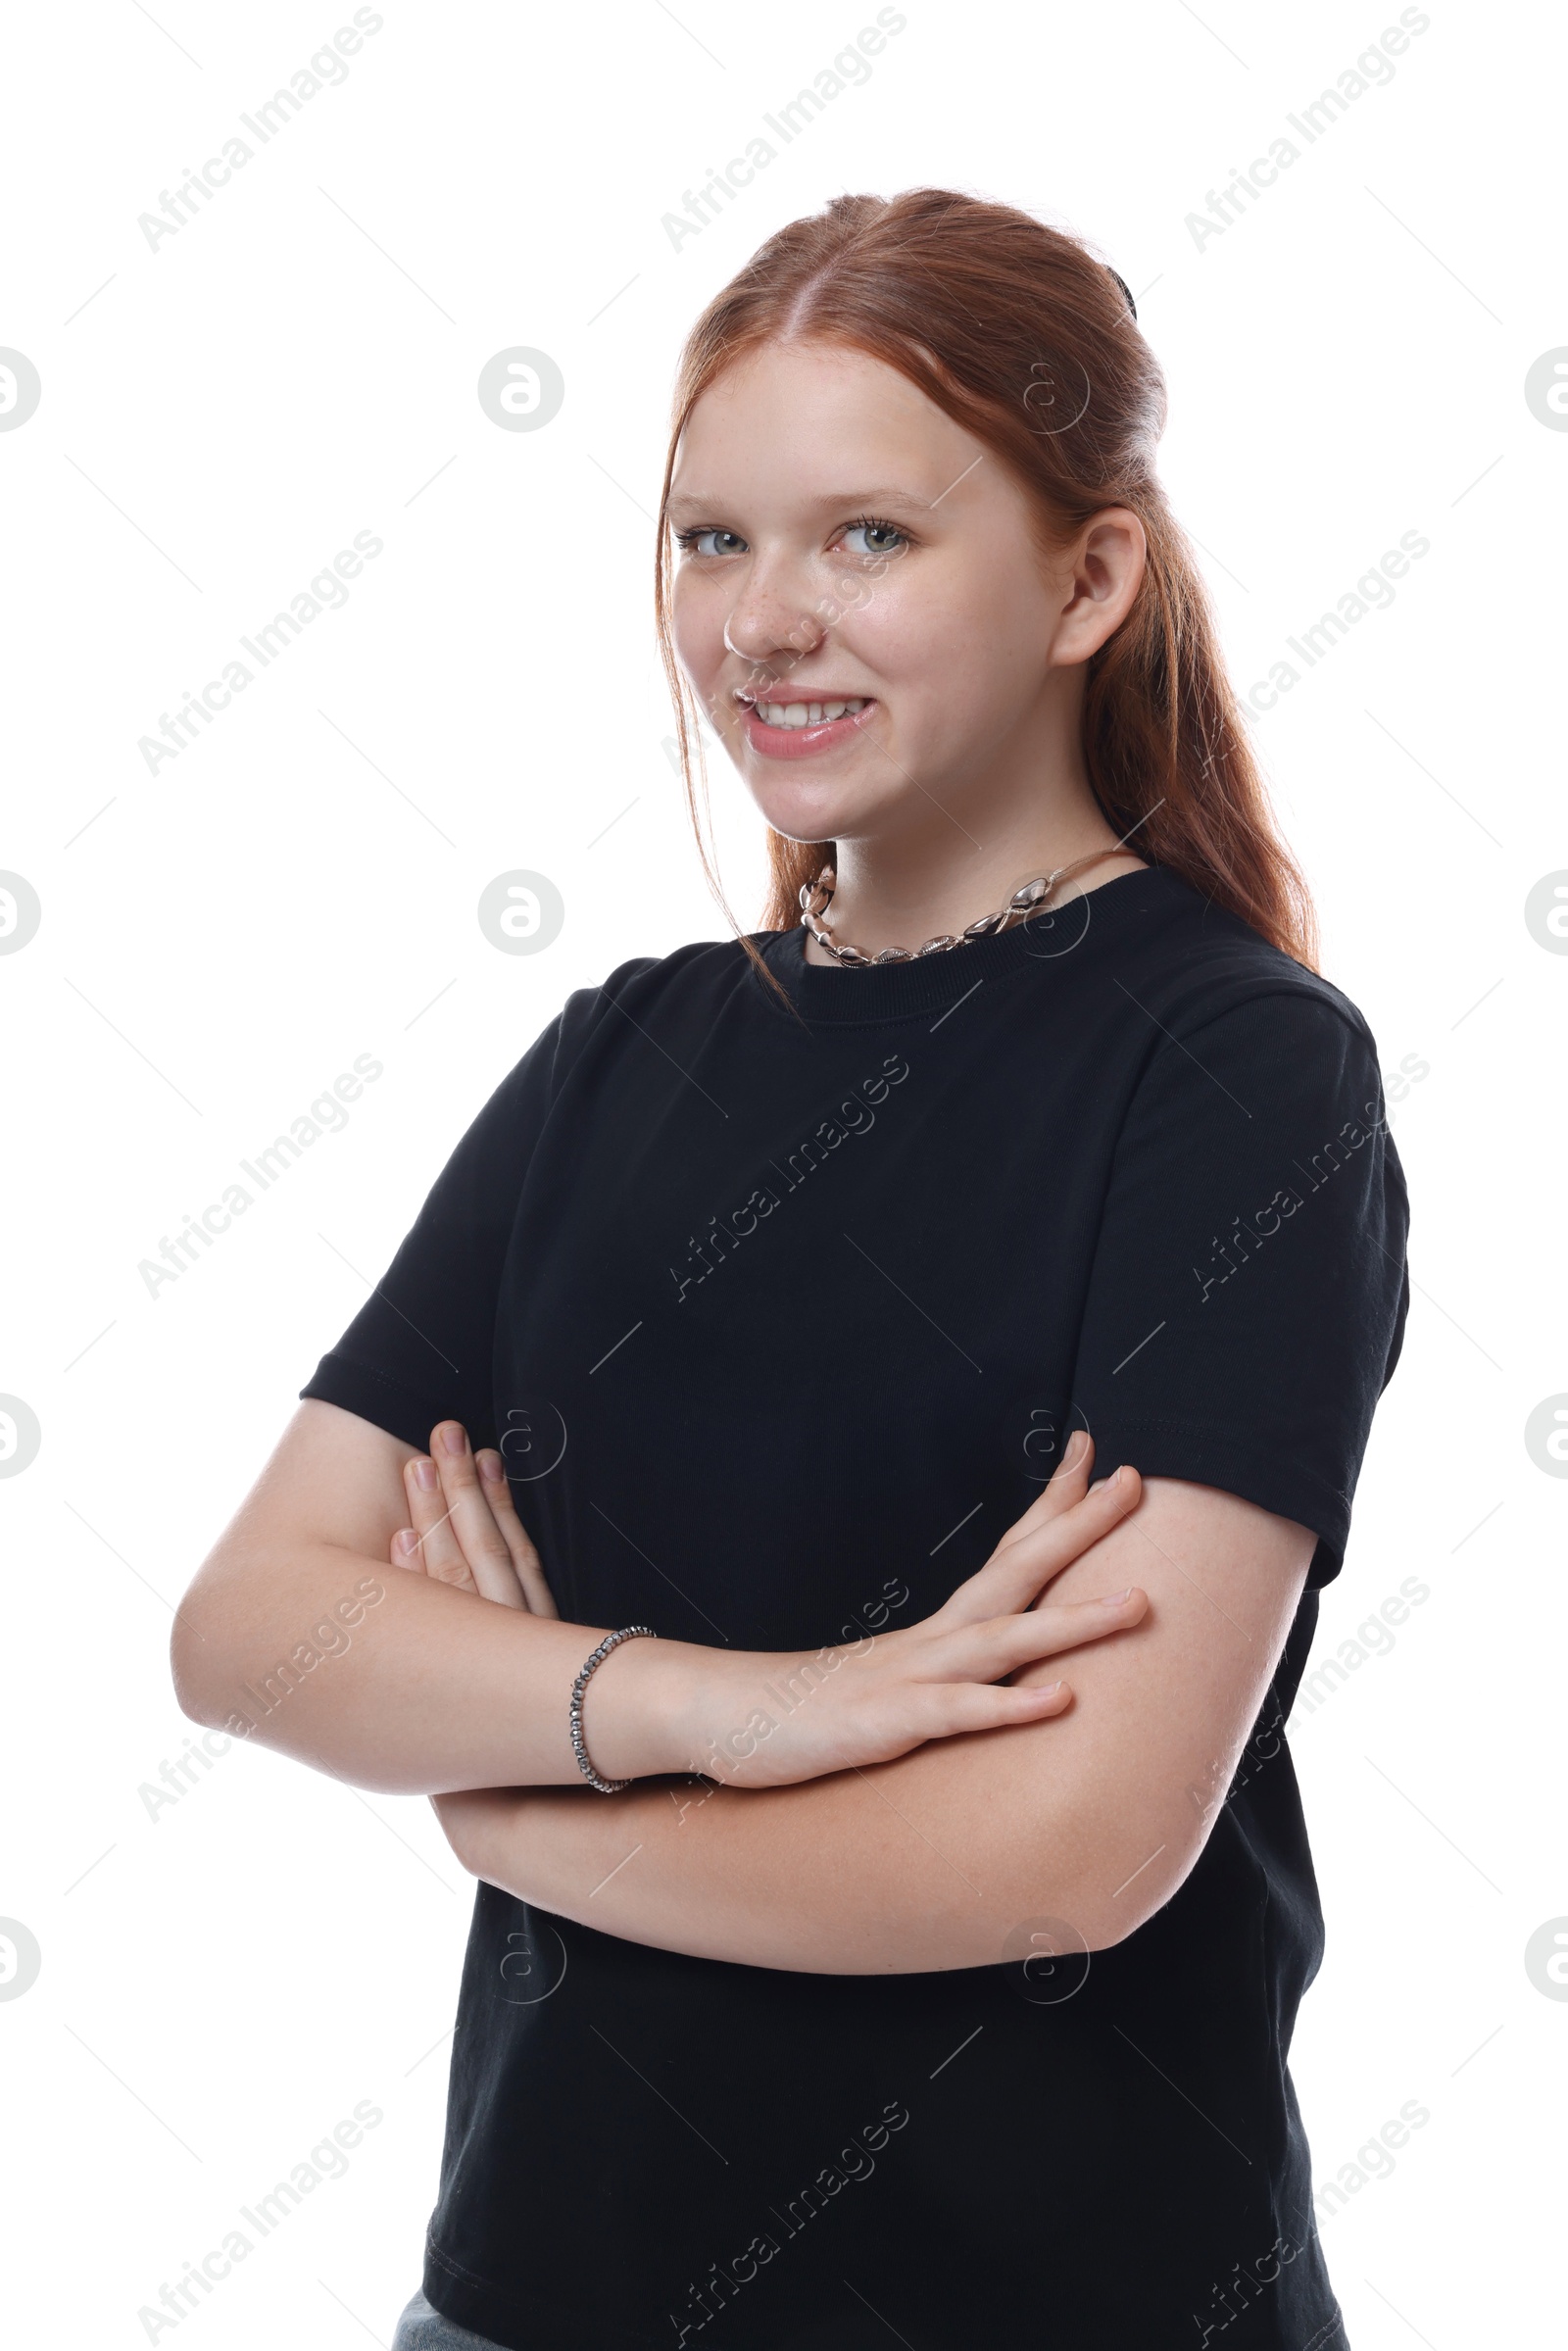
<point>222,1983</point>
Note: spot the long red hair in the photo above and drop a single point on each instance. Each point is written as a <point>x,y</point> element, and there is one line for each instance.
<point>1028,341</point>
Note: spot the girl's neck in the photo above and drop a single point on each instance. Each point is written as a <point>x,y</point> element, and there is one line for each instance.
<point>886,900</point>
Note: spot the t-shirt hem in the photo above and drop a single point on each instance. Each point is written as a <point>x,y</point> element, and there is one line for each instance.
<point>541,2325</point>
<point>470,2301</point>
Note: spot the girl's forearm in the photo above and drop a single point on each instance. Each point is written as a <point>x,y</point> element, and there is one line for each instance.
<point>806,1878</point>
<point>934,1861</point>
<point>390,1681</point>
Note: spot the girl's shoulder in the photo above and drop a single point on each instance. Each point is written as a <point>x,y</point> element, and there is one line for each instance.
<point>689,974</point>
<point>1203,963</point>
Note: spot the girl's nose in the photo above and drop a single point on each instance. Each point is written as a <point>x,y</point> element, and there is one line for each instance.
<point>766,624</point>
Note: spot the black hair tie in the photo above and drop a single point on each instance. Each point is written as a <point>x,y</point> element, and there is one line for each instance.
<point>1126,289</point>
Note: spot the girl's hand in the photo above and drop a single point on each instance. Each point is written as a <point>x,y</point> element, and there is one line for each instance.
<point>466,1529</point>
<point>763,1720</point>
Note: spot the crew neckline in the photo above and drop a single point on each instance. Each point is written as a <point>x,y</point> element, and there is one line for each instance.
<point>825,992</point>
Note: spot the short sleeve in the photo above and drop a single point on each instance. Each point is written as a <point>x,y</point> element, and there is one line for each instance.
<point>420,1350</point>
<point>1248,1290</point>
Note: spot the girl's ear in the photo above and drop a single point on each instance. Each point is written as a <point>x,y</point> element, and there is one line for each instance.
<point>1107,564</point>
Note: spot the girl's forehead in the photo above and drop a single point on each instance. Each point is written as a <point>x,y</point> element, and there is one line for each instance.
<point>842,418</point>
<point>833,377</point>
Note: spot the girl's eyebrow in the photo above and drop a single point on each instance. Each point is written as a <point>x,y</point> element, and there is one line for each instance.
<point>830,501</point>
<point>887,494</point>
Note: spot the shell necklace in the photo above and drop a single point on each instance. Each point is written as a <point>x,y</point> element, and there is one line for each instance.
<point>816,897</point>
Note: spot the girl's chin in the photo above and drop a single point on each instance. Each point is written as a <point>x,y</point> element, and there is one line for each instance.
<point>831,811</point>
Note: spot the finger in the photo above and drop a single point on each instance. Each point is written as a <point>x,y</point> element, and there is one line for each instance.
<point>404,1550</point>
<point>986,1653</point>
<point>1045,1552</point>
<point>946,1711</point>
<point>530,1574</point>
<point>1021,1567</point>
<point>1068,1483</point>
<point>430,1516</point>
<point>479,1540</point>
<point>917,1712</point>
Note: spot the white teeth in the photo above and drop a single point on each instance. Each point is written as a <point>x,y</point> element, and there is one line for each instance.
<point>807,714</point>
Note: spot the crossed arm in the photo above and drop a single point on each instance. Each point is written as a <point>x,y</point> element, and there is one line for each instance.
<point>1090,1816</point>
<point>1090,1821</point>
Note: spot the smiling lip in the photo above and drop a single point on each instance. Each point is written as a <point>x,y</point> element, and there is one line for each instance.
<point>805,742</point>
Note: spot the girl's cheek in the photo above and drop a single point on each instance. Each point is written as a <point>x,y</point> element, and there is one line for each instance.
<point>698,634</point>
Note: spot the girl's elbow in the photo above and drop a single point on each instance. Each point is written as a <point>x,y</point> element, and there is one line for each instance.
<point>1124,1890</point>
<point>190,1670</point>
<point>204,1674</point>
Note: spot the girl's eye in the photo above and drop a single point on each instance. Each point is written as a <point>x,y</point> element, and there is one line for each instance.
<point>880,538</point>
<point>711,542</point>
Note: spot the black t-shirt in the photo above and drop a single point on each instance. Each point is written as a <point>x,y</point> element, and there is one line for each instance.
<point>779,1323</point>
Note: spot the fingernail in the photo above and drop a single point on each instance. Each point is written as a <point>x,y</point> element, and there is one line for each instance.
<point>405,1542</point>
<point>424,1475</point>
<point>454,1438</point>
<point>492,1468</point>
<point>1114,1599</point>
<point>1115,1477</point>
<point>1048,1690</point>
<point>1077,1446</point>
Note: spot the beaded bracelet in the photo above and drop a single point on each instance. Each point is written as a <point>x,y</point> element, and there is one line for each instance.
<point>579,1744</point>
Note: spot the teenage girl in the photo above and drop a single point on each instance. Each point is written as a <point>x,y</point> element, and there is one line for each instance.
<point>831,1493</point>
